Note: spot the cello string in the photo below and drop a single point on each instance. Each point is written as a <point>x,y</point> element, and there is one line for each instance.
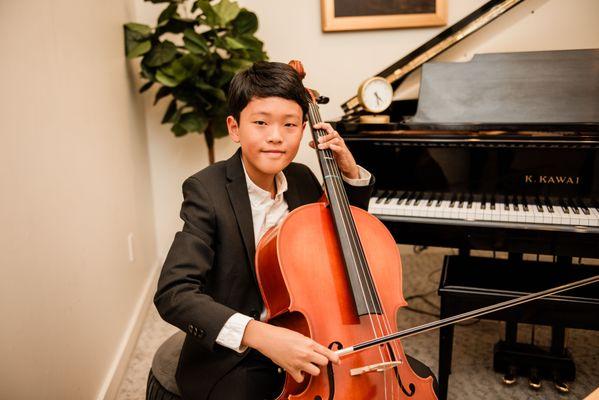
<point>357,248</point>
<point>329,165</point>
<point>333,170</point>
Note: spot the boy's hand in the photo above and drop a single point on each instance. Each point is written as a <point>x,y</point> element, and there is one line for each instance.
<point>292,351</point>
<point>335,142</point>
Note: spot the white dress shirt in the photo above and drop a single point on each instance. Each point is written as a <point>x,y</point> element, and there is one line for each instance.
<point>266,213</point>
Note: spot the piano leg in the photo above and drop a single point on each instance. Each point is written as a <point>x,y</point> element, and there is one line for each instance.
<point>445,353</point>
<point>558,349</point>
<point>511,337</point>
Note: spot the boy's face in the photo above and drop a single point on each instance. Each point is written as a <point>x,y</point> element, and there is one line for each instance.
<point>269,131</point>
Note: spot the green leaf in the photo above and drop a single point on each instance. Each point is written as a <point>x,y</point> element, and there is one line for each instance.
<point>217,93</point>
<point>210,16</point>
<point>227,11</point>
<point>146,86</point>
<point>194,42</point>
<point>178,130</point>
<point>170,112</point>
<point>136,39</point>
<point>162,53</point>
<point>162,92</point>
<point>165,79</point>
<point>144,30</point>
<point>193,122</point>
<point>234,65</point>
<point>167,13</point>
<point>233,44</point>
<point>175,24</point>
<point>246,22</point>
<point>139,49</point>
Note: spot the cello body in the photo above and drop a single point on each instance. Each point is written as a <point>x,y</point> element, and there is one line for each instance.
<point>304,285</point>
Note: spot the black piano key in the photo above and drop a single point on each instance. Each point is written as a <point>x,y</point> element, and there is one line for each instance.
<point>454,198</point>
<point>539,204</point>
<point>418,198</point>
<point>402,198</point>
<point>492,203</point>
<point>439,200</point>
<point>564,206</point>
<point>483,202</point>
<point>582,206</point>
<point>470,201</point>
<point>382,197</point>
<point>515,203</point>
<point>506,203</point>
<point>390,197</point>
<point>573,206</point>
<point>524,204</point>
<point>410,198</point>
<point>431,199</point>
<point>461,200</point>
<point>548,205</point>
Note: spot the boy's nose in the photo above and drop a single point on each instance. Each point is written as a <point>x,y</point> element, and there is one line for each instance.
<point>275,136</point>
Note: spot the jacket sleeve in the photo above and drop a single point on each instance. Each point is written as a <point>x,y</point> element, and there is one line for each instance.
<point>181,298</point>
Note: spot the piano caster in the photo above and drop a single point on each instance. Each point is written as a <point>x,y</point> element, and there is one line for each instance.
<point>561,387</point>
<point>534,380</point>
<point>510,376</point>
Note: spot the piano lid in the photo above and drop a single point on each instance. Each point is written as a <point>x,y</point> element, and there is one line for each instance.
<point>530,90</point>
<point>396,73</point>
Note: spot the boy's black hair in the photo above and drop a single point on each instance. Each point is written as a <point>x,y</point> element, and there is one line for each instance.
<point>266,79</point>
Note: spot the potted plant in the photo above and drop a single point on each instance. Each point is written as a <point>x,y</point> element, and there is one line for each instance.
<point>191,55</point>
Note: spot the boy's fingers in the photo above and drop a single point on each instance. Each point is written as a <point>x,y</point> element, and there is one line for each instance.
<point>296,375</point>
<point>327,353</point>
<point>311,369</point>
<point>319,359</point>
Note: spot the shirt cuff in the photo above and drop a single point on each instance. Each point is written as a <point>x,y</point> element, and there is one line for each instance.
<point>232,332</point>
<point>363,180</point>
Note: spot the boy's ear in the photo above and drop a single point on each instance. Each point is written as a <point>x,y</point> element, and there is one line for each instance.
<point>233,128</point>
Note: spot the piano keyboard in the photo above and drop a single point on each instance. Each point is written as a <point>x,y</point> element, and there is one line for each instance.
<point>490,209</point>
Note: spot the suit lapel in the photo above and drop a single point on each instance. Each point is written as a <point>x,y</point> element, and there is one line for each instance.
<point>292,196</point>
<point>240,201</point>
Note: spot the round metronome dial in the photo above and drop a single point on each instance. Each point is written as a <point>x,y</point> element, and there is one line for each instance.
<point>375,94</point>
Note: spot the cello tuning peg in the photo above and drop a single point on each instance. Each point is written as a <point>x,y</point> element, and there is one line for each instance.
<point>322,100</point>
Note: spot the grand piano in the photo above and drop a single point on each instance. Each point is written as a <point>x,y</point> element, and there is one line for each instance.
<point>497,153</point>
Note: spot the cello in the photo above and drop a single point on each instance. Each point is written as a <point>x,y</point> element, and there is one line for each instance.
<point>332,272</point>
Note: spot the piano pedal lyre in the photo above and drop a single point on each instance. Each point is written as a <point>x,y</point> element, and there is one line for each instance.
<point>380,367</point>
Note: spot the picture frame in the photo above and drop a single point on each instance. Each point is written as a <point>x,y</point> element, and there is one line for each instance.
<point>352,15</point>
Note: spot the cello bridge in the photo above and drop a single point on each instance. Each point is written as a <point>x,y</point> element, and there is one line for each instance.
<point>380,367</point>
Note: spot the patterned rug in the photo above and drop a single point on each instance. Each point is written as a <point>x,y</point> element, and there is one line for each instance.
<point>472,375</point>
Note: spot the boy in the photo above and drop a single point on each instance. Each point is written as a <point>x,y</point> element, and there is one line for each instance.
<point>207,286</point>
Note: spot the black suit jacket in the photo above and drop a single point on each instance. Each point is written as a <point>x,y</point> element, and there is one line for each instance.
<point>208,274</point>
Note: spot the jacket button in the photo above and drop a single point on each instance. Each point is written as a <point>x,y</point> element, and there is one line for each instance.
<point>190,328</point>
<point>201,333</point>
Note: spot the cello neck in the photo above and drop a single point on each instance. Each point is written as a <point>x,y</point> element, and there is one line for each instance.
<point>364,292</point>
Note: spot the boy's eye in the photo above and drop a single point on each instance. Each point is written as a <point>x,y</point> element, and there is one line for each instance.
<point>289,124</point>
<point>259,122</point>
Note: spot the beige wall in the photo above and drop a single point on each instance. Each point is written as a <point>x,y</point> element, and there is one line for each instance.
<point>336,63</point>
<point>80,163</point>
<point>74,176</point>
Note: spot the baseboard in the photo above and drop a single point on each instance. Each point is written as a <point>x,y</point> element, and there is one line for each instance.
<point>115,374</point>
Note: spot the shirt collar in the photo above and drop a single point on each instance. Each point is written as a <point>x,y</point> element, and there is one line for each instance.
<point>259,195</point>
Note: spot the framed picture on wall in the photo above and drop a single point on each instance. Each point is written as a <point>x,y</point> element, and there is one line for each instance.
<point>351,15</point>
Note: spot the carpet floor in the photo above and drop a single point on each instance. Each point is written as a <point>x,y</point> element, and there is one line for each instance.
<point>472,371</point>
